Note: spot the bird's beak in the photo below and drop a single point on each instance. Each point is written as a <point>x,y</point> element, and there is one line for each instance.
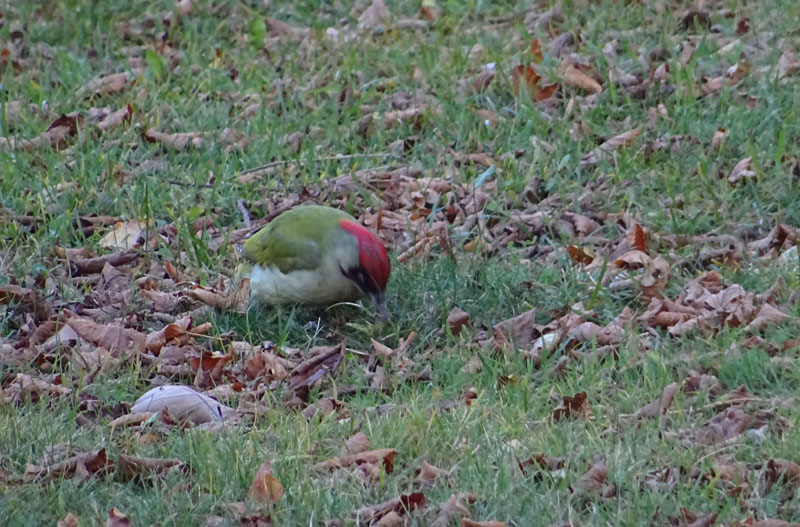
<point>379,300</point>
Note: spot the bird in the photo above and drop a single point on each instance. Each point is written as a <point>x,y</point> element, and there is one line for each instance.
<point>316,255</point>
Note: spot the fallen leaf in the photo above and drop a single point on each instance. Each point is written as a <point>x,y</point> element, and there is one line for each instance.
<point>125,236</point>
<point>114,119</point>
<point>236,300</point>
<point>401,506</point>
<point>116,339</point>
<point>466,522</point>
<point>428,474</point>
<point>81,466</point>
<point>767,315</point>
<point>26,300</point>
<point>322,360</point>
<point>374,17</point>
<point>636,238</point>
<point>132,467</point>
<point>455,508</point>
<point>356,444</point>
<point>633,260</point>
<point>178,141</point>
<point>573,406</point>
<point>624,139</point>
<point>781,469</point>
<point>25,386</point>
<point>265,487</point>
<point>457,319</point>
<point>659,406</point>
<point>381,457</point>
<point>516,331</point>
<point>788,64</point>
<point>594,480</point>
<point>106,85</point>
<point>743,169</point>
<point>70,520</point>
<point>116,518</point>
<point>576,78</point>
<point>579,255</point>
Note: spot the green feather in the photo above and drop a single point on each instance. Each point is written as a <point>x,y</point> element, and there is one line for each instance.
<point>296,240</point>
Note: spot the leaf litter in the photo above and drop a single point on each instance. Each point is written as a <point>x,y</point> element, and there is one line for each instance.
<point>408,215</point>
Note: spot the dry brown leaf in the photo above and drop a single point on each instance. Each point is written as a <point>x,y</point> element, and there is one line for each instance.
<point>56,136</point>
<point>661,405</point>
<point>114,119</point>
<point>178,141</point>
<point>125,236</point>
<point>724,426</point>
<point>777,469</point>
<point>406,503</point>
<point>106,85</point>
<point>132,467</point>
<point>25,386</point>
<point>654,278</point>
<point>457,319</point>
<point>391,519</point>
<point>428,474</point>
<point>236,300</point>
<point>766,316</point>
<point>428,11</point>
<point>174,334</point>
<point>690,519</point>
<point>455,508</point>
<point>116,339</point>
<point>322,360</point>
<point>26,300</point>
<point>374,17</point>
<point>86,266</point>
<point>580,255</point>
<point>116,518</point>
<point>466,522</point>
<point>356,444</point>
<point>788,64</point>
<point>542,461</point>
<point>637,238</point>
<point>516,331</point>
<point>718,137</point>
<point>265,487</point>
<point>525,77</point>
<point>380,457</point>
<point>576,78</point>
<point>633,260</point>
<point>624,139</point>
<point>482,80</point>
<point>573,406</point>
<point>133,419</point>
<point>70,520</point>
<point>81,466</point>
<point>594,480</point>
<point>383,351</point>
<point>743,169</point>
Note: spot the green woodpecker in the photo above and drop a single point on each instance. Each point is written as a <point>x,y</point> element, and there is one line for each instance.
<point>315,255</point>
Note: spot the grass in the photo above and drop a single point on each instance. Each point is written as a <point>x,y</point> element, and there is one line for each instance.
<point>684,193</point>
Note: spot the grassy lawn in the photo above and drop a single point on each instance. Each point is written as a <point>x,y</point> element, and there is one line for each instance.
<point>623,175</point>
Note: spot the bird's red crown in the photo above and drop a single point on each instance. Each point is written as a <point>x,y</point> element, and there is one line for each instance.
<point>372,253</point>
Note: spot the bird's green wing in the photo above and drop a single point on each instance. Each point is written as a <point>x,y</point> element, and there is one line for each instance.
<point>286,252</point>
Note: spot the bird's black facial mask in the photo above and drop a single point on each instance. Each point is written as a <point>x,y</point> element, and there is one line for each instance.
<point>362,279</point>
<point>365,282</point>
